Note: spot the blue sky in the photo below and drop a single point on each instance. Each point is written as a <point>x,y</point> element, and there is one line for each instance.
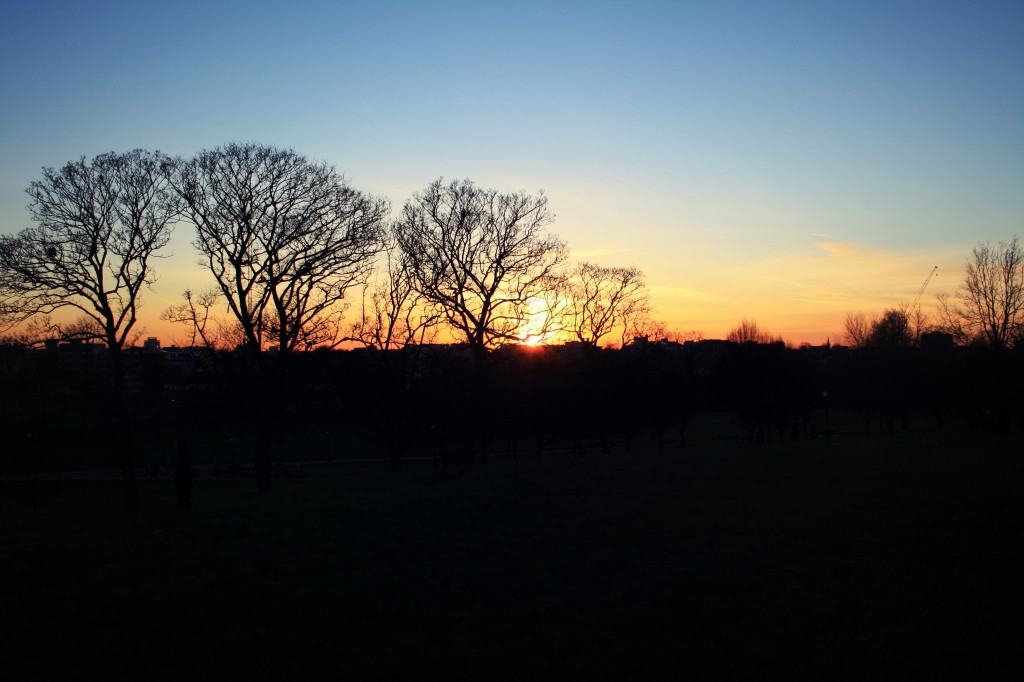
<point>787,162</point>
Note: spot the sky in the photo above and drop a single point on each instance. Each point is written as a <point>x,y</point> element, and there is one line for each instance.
<point>786,162</point>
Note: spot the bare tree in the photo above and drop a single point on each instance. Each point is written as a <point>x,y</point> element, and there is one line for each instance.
<point>918,324</point>
<point>196,313</point>
<point>99,225</point>
<point>37,332</point>
<point>748,331</point>
<point>395,323</point>
<point>950,321</point>
<point>393,313</point>
<point>644,327</point>
<point>989,305</point>
<point>545,313</point>
<point>684,335</point>
<point>857,329</point>
<point>285,239</point>
<point>601,299</point>
<point>481,256</point>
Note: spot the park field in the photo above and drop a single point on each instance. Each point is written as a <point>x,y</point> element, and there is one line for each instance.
<point>850,557</point>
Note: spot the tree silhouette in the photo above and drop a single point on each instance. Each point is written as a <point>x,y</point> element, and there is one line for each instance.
<point>891,330</point>
<point>748,331</point>
<point>481,256</point>
<point>100,224</point>
<point>601,299</point>
<point>989,305</point>
<point>196,312</point>
<point>285,239</point>
<point>857,329</point>
<point>395,322</point>
<point>393,314</point>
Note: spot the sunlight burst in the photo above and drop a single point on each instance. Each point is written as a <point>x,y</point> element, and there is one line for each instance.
<point>539,326</point>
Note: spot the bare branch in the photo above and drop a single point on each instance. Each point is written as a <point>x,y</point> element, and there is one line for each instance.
<point>857,329</point>
<point>989,305</point>
<point>482,257</point>
<point>99,224</point>
<point>285,238</point>
<point>393,313</point>
<point>602,299</point>
<point>748,331</point>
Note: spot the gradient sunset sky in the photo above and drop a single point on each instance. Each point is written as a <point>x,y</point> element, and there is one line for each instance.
<point>782,161</point>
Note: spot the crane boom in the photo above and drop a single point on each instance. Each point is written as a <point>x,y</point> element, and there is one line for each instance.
<point>920,291</point>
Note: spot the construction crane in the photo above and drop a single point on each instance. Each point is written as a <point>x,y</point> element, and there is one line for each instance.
<point>917,299</point>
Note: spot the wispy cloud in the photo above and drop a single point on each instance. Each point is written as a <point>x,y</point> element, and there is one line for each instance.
<point>668,293</point>
<point>852,251</point>
<point>601,253</point>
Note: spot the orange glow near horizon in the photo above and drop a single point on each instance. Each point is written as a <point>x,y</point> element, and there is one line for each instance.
<point>802,296</point>
<point>538,328</point>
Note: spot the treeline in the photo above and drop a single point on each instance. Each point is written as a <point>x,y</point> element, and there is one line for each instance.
<point>300,259</point>
<point>441,401</point>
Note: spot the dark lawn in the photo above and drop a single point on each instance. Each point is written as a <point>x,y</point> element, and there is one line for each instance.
<point>843,558</point>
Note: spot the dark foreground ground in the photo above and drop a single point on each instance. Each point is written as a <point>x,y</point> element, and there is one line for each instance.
<point>852,558</point>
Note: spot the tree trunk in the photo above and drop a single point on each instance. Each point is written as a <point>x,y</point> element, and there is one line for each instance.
<point>121,432</point>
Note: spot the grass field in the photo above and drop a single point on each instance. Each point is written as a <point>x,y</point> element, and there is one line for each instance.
<point>851,557</point>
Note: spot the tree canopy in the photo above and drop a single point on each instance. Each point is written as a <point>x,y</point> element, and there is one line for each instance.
<point>482,256</point>
<point>284,237</point>
<point>989,305</point>
<point>99,225</point>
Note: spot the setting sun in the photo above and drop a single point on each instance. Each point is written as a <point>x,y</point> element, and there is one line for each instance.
<point>540,326</point>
